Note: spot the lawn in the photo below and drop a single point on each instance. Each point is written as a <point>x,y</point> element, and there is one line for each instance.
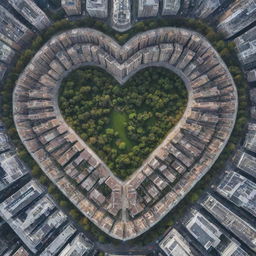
<point>118,121</point>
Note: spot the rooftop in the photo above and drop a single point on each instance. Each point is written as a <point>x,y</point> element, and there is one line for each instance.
<point>176,245</point>
<point>239,190</point>
<point>206,233</point>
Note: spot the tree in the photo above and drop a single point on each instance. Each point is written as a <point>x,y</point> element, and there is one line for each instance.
<point>110,131</point>
<point>36,170</point>
<point>37,42</point>
<point>122,146</point>
<point>139,26</point>
<point>92,140</point>
<point>225,53</point>
<point>64,203</point>
<point>51,188</point>
<point>57,196</point>
<point>101,239</point>
<point>88,104</point>
<point>74,213</point>
<point>43,179</point>
<point>84,221</point>
<point>56,3</point>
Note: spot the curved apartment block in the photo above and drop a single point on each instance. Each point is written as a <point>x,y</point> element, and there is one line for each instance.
<point>172,169</point>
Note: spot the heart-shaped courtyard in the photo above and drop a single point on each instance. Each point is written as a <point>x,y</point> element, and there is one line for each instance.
<point>125,209</point>
<point>123,124</point>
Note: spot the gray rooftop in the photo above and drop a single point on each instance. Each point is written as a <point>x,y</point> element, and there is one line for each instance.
<point>239,190</point>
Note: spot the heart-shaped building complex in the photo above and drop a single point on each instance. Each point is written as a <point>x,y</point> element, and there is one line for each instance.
<point>175,166</point>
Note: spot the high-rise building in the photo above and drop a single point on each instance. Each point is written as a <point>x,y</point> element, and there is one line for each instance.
<point>21,252</point>
<point>11,167</point>
<point>239,15</point>
<point>231,221</point>
<point>175,244</point>
<point>251,75</point>
<point>80,245</point>
<point>171,7</point>
<point>148,8</point>
<point>71,7</point>
<point>239,190</point>
<point>97,8</point>
<point>121,14</point>
<point>204,8</point>
<point>59,241</point>
<point>6,53</point>
<point>31,12</point>
<point>13,32</point>
<point>211,236</point>
<point>246,48</point>
<point>3,69</point>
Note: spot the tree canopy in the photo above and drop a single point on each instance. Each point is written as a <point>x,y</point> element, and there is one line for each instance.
<point>122,123</point>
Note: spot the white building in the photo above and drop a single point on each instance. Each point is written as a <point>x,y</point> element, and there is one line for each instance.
<point>175,244</point>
